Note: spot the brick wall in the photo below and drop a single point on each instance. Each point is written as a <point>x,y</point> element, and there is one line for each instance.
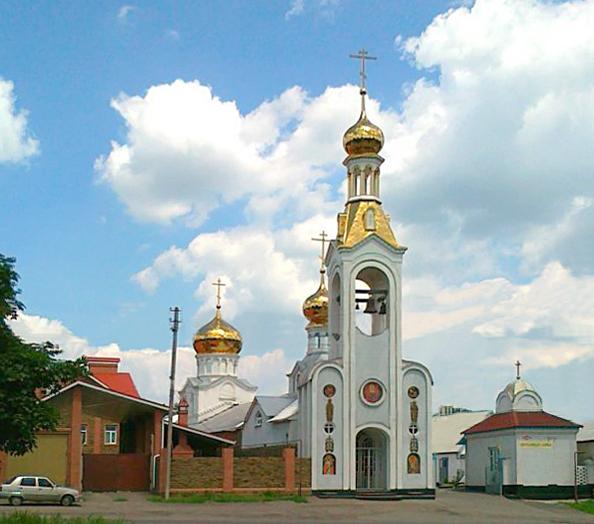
<point>303,472</point>
<point>248,473</point>
<point>259,472</point>
<point>196,473</point>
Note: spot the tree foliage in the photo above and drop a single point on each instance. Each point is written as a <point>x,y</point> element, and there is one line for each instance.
<point>26,371</point>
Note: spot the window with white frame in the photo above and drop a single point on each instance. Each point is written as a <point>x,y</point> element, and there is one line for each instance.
<point>258,419</point>
<point>83,434</point>
<point>110,434</point>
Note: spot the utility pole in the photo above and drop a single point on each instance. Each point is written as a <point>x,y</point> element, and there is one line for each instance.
<point>175,322</point>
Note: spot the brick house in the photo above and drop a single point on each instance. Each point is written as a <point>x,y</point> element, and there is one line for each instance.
<point>109,438</point>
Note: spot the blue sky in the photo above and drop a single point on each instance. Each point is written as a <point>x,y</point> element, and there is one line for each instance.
<point>487,178</point>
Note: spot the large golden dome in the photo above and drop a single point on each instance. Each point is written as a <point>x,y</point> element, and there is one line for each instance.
<point>363,137</point>
<point>217,336</point>
<point>315,307</point>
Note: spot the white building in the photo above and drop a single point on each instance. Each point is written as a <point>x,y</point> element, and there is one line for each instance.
<point>216,387</point>
<point>449,454</point>
<point>585,446</point>
<point>521,450</point>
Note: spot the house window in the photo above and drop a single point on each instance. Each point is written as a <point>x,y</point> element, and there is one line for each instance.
<point>110,434</point>
<point>83,434</point>
<point>258,420</point>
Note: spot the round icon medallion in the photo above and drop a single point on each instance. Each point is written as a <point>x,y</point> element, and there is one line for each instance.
<point>329,390</point>
<point>413,392</point>
<point>372,392</point>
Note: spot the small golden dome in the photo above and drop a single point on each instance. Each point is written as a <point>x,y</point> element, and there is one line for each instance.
<point>363,137</point>
<point>315,307</point>
<point>217,336</point>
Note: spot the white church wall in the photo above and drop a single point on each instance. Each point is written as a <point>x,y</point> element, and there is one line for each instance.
<point>416,378</point>
<point>545,457</point>
<point>370,357</point>
<point>477,456</point>
<point>328,445</point>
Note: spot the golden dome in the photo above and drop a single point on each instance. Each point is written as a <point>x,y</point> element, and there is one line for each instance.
<point>363,137</point>
<point>315,307</point>
<point>217,336</point>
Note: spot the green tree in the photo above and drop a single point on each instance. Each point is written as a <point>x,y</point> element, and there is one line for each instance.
<point>26,369</point>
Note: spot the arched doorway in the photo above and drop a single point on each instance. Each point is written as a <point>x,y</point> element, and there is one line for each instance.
<point>372,459</point>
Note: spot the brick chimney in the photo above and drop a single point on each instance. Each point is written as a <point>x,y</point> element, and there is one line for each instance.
<point>102,365</point>
<point>182,418</point>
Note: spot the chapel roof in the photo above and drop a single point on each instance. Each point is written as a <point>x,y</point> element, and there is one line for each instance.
<point>520,419</point>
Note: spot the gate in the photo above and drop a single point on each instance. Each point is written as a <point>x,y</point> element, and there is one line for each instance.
<point>370,463</point>
<point>494,473</point>
<point>116,472</point>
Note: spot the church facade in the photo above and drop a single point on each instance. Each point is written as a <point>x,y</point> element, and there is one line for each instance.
<point>364,415</point>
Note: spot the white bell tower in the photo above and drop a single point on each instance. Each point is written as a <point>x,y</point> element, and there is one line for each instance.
<point>373,412</point>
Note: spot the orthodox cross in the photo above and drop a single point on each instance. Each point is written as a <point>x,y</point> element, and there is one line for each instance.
<point>363,55</point>
<point>518,364</point>
<point>322,239</point>
<point>218,285</point>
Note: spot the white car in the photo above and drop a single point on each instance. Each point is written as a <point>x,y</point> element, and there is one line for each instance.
<point>26,488</point>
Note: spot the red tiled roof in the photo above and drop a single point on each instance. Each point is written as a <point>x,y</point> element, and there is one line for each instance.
<point>520,419</point>
<point>120,382</point>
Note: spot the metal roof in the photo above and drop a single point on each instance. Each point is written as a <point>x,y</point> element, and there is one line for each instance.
<point>272,406</point>
<point>446,429</point>
<point>586,433</point>
<point>228,420</point>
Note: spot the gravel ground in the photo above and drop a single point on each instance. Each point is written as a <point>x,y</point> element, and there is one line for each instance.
<point>449,507</point>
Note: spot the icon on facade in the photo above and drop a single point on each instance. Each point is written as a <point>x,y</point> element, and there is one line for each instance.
<point>329,444</point>
<point>329,464</point>
<point>414,412</point>
<point>329,390</point>
<point>414,444</point>
<point>413,392</point>
<point>372,392</point>
<point>413,463</point>
<point>329,410</point>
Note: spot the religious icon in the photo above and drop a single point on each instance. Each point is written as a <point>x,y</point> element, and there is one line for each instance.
<point>413,464</point>
<point>414,444</point>
<point>329,410</point>
<point>413,429</point>
<point>372,392</point>
<point>329,444</point>
<point>414,412</point>
<point>329,464</point>
<point>329,390</point>
<point>413,392</point>
<point>329,427</point>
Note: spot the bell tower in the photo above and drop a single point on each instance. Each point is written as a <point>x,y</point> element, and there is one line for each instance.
<point>375,409</point>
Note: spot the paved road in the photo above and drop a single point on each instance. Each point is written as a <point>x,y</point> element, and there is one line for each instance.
<point>450,507</point>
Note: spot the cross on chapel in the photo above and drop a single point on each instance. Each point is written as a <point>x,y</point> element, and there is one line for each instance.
<point>363,55</point>
<point>518,364</point>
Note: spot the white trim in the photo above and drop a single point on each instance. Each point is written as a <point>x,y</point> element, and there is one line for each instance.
<point>138,400</point>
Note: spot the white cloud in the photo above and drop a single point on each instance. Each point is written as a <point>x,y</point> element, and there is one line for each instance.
<point>16,144</point>
<point>296,8</point>
<point>124,11</point>
<point>149,366</point>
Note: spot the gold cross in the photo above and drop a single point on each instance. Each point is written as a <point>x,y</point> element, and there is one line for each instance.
<point>218,285</point>
<point>363,55</point>
<point>518,364</point>
<point>322,239</point>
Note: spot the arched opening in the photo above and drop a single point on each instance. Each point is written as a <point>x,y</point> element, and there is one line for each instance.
<point>371,301</point>
<point>372,459</point>
<point>335,316</point>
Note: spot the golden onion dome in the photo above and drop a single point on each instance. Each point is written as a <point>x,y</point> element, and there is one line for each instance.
<point>315,307</point>
<point>363,137</point>
<point>217,336</point>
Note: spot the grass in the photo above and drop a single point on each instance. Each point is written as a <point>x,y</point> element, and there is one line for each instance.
<point>201,498</point>
<point>20,517</point>
<point>586,506</point>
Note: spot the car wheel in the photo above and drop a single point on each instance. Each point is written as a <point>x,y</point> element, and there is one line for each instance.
<point>67,500</point>
<point>15,501</point>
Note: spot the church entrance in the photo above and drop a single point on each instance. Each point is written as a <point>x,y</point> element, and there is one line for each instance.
<point>371,460</point>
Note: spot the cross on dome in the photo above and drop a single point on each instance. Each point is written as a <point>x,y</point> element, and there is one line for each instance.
<point>363,55</point>
<point>323,239</point>
<point>218,284</point>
